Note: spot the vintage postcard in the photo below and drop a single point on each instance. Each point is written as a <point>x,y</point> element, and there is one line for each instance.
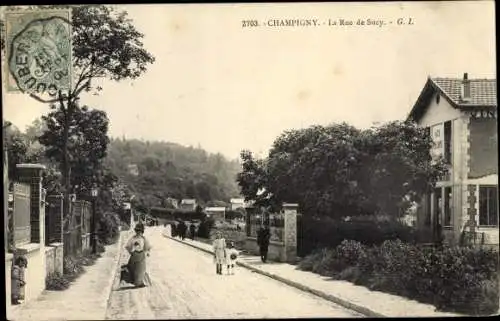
<point>271,160</point>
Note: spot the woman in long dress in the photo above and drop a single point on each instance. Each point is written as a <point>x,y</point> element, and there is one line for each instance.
<point>139,248</point>
<point>219,245</point>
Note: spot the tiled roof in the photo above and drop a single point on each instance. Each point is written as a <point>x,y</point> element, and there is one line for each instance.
<point>483,92</point>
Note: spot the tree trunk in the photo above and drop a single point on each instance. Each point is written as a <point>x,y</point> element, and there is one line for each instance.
<point>66,164</point>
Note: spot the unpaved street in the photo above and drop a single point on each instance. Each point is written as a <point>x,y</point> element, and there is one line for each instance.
<point>184,285</point>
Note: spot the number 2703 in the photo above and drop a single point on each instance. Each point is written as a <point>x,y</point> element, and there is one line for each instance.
<point>249,23</point>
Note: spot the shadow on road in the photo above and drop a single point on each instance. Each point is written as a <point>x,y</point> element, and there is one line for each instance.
<point>126,287</point>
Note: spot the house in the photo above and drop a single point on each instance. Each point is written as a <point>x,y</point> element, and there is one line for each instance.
<point>217,213</point>
<point>460,114</point>
<point>237,203</point>
<point>172,202</point>
<point>133,169</point>
<point>188,204</point>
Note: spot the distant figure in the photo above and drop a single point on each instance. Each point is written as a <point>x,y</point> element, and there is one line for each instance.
<point>183,230</point>
<point>168,230</point>
<point>238,228</point>
<point>135,270</point>
<point>263,236</point>
<point>18,280</point>
<point>192,230</point>
<point>174,230</point>
<point>219,246</point>
<point>231,258</point>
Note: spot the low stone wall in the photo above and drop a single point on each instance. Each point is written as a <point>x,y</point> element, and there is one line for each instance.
<point>8,266</point>
<point>490,235</point>
<point>229,234</point>
<point>54,259</point>
<point>35,272</point>
<point>276,250</point>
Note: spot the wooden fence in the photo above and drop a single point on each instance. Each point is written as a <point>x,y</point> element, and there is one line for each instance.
<point>53,219</point>
<point>77,228</point>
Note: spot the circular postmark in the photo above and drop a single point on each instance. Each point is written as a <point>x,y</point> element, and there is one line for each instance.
<point>40,56</point>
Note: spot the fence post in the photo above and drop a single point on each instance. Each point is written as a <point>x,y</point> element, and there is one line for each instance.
<point>290,237</point>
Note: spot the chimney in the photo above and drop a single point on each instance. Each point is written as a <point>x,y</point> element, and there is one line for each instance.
<point>465,90</point>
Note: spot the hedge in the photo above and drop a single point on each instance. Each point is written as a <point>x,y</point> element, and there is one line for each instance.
<point>173,214</point>
<point>319,233</point>
<point>457,279</point>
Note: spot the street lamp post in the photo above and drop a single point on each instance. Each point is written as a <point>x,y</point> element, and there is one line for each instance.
<point>94,192</point>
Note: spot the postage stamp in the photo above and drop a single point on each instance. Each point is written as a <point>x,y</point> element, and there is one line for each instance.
<point>39,51</point>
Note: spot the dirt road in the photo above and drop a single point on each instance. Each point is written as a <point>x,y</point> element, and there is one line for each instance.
<point>183,284</point>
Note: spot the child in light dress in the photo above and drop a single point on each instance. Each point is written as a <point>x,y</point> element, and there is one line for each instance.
<point>231,258</point>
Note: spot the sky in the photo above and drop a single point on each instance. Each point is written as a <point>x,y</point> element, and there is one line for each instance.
<point>226,88</point>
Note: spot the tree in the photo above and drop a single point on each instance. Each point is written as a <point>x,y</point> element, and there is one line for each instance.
<point>254,179</point>
<point>16,147</point>
<point>86,145</point>
<point>340,171</point>
<point>105,45</point>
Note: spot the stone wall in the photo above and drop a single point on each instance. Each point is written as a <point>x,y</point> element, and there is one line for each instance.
<point>54,259</point>
<point>35,272</point>
<point>275,251</point>
<point>34,251</point>
<point>8,266</point>
<point>283,228</point>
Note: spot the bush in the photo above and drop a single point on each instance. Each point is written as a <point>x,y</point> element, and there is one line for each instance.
<point>348,253</point>
<point>458,279</point>
<point>173,214</point>
<point>109,231</point>
<point>72,266</point>
<point>56,282</point>
<point>205,227</point>
<point>325,232</point>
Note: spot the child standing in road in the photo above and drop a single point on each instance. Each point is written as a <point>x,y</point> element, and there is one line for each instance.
<point>231,258</point>
<point>219,246</point>
<point>18,281</point>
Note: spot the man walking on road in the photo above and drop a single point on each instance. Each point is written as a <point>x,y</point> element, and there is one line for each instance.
<point>183,229</point>
<point>263,236</point>
<point>192,230</point>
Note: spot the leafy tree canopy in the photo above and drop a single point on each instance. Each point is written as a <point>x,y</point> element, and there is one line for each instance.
<point>341,171</point>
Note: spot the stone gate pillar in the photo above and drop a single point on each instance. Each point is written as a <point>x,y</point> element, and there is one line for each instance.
<point>32,174</point>
<point>290,237</point>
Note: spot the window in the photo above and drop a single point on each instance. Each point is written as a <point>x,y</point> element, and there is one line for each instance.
<point>488,205</point>
<point>438,205</point>
<point>427,220</point>
<point>448,200</point>
<point>447,142</point>
<point>428,131</point>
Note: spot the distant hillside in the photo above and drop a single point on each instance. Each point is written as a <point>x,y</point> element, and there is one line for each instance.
<point>170,170</point>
